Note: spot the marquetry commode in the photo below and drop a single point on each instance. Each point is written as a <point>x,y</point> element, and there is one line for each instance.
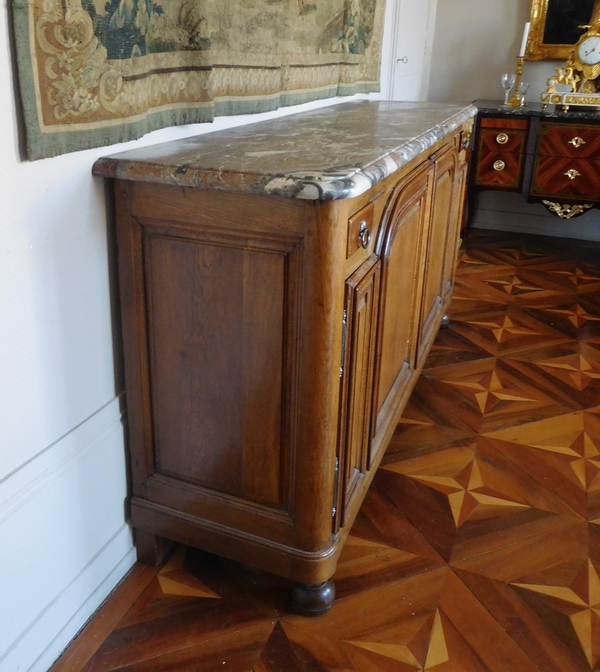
<point>548,156</point>
<point>281,285</point>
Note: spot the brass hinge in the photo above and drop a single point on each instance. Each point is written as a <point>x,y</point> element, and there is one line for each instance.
<point>335,485</point>
<point>344,336</point>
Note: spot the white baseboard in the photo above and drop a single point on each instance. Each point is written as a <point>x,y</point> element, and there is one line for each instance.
<point>65,543</point>
<point>110,562</point>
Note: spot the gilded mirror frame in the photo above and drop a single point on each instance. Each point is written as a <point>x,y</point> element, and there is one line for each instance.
<point>537,50</point>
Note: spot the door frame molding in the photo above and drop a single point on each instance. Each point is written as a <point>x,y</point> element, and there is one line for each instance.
<point>426,71</point>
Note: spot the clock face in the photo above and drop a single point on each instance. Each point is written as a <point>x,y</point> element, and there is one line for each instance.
<point>589,50</point>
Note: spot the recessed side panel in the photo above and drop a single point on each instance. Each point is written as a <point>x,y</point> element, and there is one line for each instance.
<point>454,233</point>
<point>216,316</point>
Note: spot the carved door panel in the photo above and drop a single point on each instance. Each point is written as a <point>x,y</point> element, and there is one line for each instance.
<point>404,232</point>
<point>442,236</point>
<point>454,227</point>
<point>360,324</point>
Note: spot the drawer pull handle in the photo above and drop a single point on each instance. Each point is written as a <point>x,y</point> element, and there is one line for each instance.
<point>502,138</point>
<point>577,142</point>
<point>499,166</point>
<point>364,235</point>
<point>572,174</point>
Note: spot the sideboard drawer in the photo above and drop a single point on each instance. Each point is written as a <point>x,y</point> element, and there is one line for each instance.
<point>558,177</point>
<point>579,141</point>
<point>360,230</point>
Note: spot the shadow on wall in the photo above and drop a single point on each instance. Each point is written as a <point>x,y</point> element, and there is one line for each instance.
<point>474,43</point>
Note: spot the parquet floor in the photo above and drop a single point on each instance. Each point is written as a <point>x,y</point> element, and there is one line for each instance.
<point>478,546</point>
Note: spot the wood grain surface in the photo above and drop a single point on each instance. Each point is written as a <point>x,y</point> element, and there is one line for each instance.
<point>477,548</point>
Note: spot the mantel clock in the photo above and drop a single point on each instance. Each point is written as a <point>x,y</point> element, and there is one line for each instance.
<point>581,73</point>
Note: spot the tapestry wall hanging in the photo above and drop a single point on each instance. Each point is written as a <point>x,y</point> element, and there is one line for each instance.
<point>97,72</point>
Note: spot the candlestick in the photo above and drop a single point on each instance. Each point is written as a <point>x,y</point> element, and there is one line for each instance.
<point>515,100</point>
<point>525,38</point>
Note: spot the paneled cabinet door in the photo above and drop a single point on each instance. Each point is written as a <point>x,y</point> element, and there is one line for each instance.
<point>360,323</point>
<point>404,232</point>
<point>454,227</point>
<point>441,244</point>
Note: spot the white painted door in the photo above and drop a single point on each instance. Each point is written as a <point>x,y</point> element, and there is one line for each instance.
<point>413,23</point>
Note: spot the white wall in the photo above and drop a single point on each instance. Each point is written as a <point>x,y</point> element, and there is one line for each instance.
<point>64,541</point>
<point>474,43</point>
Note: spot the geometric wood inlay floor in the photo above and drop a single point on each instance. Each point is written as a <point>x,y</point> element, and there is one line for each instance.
<point>477,548</point>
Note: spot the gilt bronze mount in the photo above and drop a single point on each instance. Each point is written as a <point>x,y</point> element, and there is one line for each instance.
<point>566,211</point>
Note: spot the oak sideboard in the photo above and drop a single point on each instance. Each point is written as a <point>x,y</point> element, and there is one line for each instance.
<point>281,285</point>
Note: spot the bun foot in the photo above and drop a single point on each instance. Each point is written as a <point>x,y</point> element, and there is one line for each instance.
<point>313,599</point>
<point>151,550</point>
<point>445,320</point>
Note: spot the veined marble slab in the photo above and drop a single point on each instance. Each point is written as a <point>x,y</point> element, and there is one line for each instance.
<point>331,153</point>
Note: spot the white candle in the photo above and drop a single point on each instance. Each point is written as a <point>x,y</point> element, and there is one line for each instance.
<point>524,43</point>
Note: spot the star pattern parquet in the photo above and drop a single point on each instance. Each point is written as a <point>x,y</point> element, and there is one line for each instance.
<point>477,548</point>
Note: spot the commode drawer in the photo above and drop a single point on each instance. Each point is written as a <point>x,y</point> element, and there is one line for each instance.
<point>509,140</point>
<point>579,141</point>
<point>501,151</point>
<point>562,177</point>
<point>500,170</point>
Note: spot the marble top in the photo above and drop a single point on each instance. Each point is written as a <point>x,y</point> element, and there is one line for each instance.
<point>335,152</point>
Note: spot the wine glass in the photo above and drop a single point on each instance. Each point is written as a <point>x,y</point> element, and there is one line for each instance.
<point>523,87</point>
<point>508,81</point>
